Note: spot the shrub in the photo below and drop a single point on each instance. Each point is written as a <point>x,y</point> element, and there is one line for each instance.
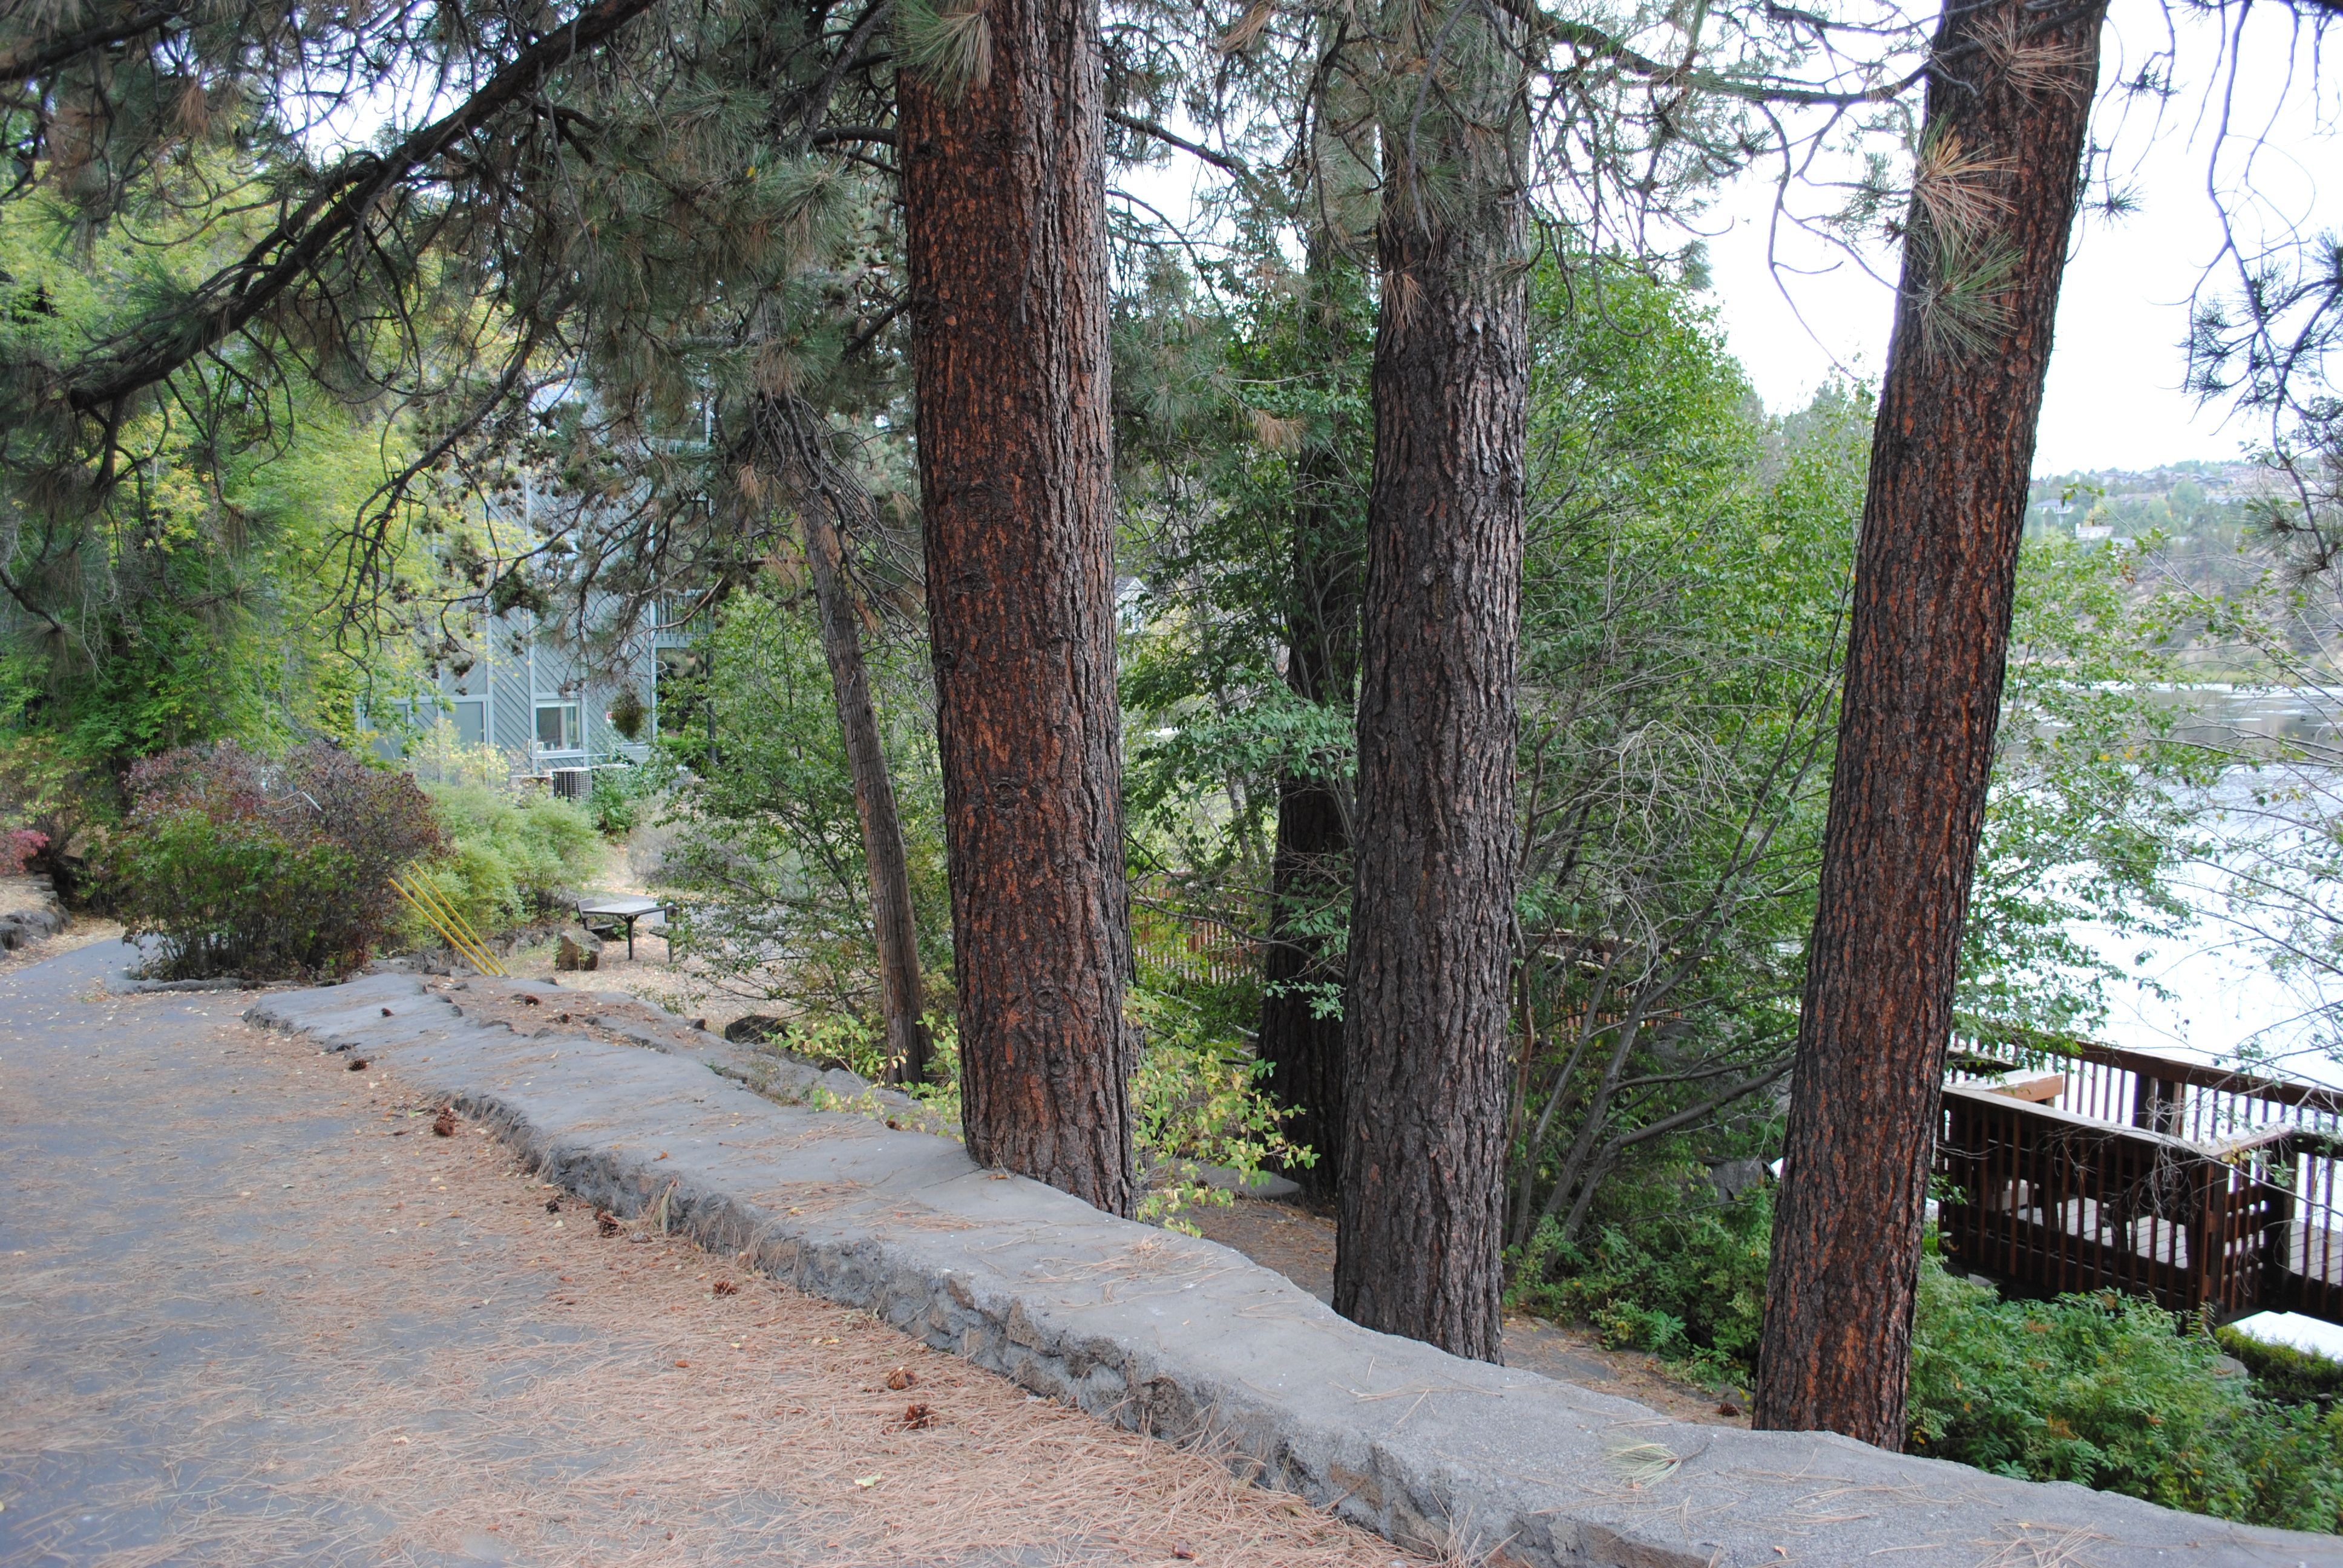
<point>2108,1391</point>
<point>617,803</point>
<point>2287,1374</point>
<point>1199,1098</point>
<point>1684,1281</point>
<point>19,846</point>
<point>510,861</point>
<point>236,863</point>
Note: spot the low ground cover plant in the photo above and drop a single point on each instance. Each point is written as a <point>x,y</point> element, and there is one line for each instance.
<point>2105,1390</point>
<point>1684,1279</point>
<point>238,863</point>
<point>2114,1393</point>
<point>2287,1374</point>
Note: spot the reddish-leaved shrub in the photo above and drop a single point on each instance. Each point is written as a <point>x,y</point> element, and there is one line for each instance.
<point>238,863</point>
<point>18,846</point>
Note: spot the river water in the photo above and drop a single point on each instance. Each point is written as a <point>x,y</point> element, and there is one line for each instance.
<point>2223,999</point>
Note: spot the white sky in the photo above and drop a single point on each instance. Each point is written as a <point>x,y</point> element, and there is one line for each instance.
<point>2113,399</point>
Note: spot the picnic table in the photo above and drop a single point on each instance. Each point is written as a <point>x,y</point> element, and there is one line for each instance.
<point>629,909</point>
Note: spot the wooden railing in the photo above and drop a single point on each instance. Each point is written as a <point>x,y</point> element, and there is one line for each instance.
<point>1204,948</point>
<point>2069,1165</point>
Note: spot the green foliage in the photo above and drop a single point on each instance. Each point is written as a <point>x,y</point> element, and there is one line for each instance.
<point>2114,1394</point>
<point>617,801</point>
<point>1233,421</point>
<point>1682,1276</point>
<point>2286,1373</point>
<point>200,597</point>
<point>511,859</point>
<point>768,845</point>
<point>1198,1099</point>
<point>1683,603</point>
<point>2094,799</point>
<point>238,864</point>
<point>2103,1390</point>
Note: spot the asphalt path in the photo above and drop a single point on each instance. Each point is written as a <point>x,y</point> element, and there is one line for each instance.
<point>253,1310</point>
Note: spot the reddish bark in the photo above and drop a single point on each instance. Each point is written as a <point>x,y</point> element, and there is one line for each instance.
<point>1004,194</point>
<point>2008,110</point>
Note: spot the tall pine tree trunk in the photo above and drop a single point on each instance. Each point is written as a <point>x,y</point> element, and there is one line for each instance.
<point>1004,191</point>
<point>1424,1078</point>
<point>1994,199</point>
<point>796,443</point>
<point>1301,1037</point>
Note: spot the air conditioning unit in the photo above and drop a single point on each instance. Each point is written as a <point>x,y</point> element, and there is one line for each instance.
<point>573,783</point>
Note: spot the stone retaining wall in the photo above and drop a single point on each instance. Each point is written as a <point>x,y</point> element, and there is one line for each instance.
<point>1192,1342</point>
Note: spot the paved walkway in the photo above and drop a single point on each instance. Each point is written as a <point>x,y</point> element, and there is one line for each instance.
<point>252,1310</point>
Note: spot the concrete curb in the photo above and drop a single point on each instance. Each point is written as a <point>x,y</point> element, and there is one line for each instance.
<point>1191,1342</point>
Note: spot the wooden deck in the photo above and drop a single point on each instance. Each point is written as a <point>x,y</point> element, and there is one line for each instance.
<point>2077,1167</point>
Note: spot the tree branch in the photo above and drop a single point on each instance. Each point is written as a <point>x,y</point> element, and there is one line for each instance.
<point>231,297</point>
<point>1170,139</point>
<point>39,61</point>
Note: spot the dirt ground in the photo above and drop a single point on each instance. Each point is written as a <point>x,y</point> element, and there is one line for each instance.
<point>1300,1245</point>
<point>252,1310</point>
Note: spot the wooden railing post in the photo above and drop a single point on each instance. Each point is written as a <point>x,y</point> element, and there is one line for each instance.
<point>2156,1104</point>
<point>2277,1230</point>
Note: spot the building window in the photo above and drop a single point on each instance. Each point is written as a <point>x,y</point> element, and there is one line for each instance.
<point>557,728</point>
<point>471,720</point>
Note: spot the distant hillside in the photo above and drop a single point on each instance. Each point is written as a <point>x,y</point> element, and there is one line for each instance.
<point>2186,501</point>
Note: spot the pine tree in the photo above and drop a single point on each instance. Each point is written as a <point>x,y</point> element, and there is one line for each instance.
<point>1994,196</point>
<point>1002,137</point>
<point>1425,1035</point>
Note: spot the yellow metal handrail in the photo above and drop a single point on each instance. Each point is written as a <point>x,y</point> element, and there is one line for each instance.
<point>439,912</point>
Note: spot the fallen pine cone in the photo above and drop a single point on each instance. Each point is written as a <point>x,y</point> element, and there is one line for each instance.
<point>917,1418</point>
<point>901,1379</point>
<point>605,1223</point>
<point>725,1288</point>
<point>446,1126</point>
<point>529,1000</point>
<point>357,1064</point>
<point>553,1205</point>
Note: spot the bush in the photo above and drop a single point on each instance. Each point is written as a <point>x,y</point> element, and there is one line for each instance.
<point>1685,1281</point>
<point>241,865</point>
<point>2108,1391</point>
<point>510,861</point>
<point>2103,1390</point>
<point>2286,1373</point>
<point>617,803</point>
<point>1198,1098</point>
<point>19,848</point>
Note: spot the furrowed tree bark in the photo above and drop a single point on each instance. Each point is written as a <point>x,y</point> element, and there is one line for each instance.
<point>1994,199</point>
<point>1303,1046</point>
<point>1005,192</point>
<point>1435,839</point>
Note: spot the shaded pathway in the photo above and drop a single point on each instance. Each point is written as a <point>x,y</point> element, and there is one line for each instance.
<point>252,1310</point>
